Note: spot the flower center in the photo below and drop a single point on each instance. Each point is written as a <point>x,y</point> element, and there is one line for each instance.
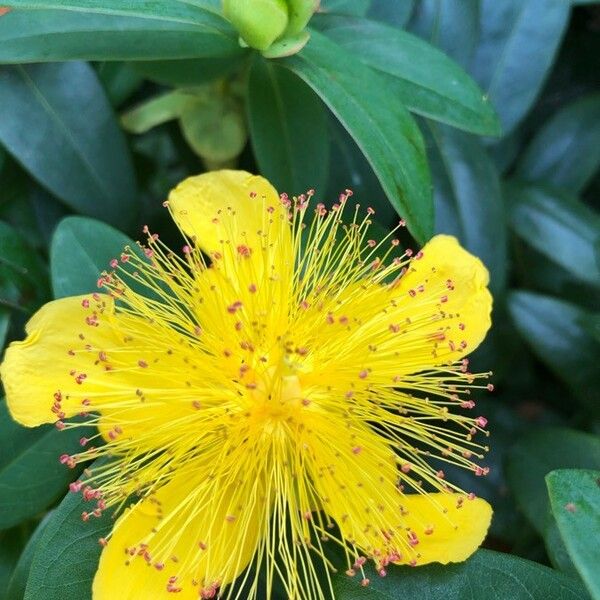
<point>276,402</point>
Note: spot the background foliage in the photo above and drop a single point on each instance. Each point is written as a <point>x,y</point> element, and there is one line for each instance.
<point>479,118</point>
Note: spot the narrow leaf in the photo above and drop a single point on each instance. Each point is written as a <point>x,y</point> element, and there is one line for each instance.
<point>288,124</point>
<point>425,80</point>
<point>566,150</point>
<point>468,200</point>
<point>557,225</point>
<point>58,123</point>
<point>55,30</point>
<point>389,138</point>
<point>451,26</point>
<point>518,43</point>
<point>553,329</point>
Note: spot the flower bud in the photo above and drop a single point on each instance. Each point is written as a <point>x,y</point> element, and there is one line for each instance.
<point>300,12</point>
<point>259,22</point>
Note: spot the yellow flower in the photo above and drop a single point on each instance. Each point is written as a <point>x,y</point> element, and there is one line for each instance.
<point>295,393</point>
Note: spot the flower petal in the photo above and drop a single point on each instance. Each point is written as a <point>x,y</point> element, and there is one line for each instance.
<point>239,220</point>
<point>442,302</point>
<point>192,534</point>
<point>53,355</point>
<point>447,529</point>
<point>356,477</point>
<point>80,356</point>
<point>435,314</point>
<point>226,208</point>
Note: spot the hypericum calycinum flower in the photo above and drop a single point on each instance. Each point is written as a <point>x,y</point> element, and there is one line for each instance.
<point>284,387</point>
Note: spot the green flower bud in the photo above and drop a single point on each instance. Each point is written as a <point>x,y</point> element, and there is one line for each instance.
<point>259,22</point>
<point>300,12</point>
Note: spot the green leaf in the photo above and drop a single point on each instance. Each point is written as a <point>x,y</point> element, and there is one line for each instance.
<point>56,30</point>
<point>556,549</point>
<point>59,125</point>
<point>540,452</point>
<point>120,80</point>
<point>4,325</point>
<point>424,79</point>
<point>185,73</point>
<point>519,40</point>
<point>451,26</point>
<point>288,126</point>
<point>553,329</point>
<point>591,322</point>
<point>17,255</point>
<point>557,225</point>
<point>23,275</point>
<point>389,138</point>
<point>81,249</point>
<point>468,201</point>
<point>157,110</point>
<point>66,559</point>
<point>18,580</point>
<point>575,499</point>
<point>11,544</point>
<point>393,13</point>
<point>486,575</point>
<point>566,150</point>
<point>31,476</point>
<point>357,8</point>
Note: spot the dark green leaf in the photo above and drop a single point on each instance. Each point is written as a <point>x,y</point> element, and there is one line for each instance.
<point>394,13</point>
<point>81,249</point>
<point>54,30</point>
<point>31,476</point>
<point>468,202</point>
<point>540,274</point>
<point>556,549</point>
<point>519,40</point>
<point>66,560</point>
<point>184,73</point>
<point>575,500</point>
<point>389,138</point>
<point>18,256</point>
<point>58,123</point>
<point>288,124</point>
<point>485,576</point>
<point>425,80</point>
<point>120,80</point>
<point>11,544</point>
<point>566,150</point>
<point>540,452</point>
<point>18,580</point>
<point>451,26</point>
<point>4,325</point>
<point>558,226</point>
<point>591,322</point>
<point>350,169</point>
<point>23,275</point>
<point>553,328</point>
<point>357,8</point>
